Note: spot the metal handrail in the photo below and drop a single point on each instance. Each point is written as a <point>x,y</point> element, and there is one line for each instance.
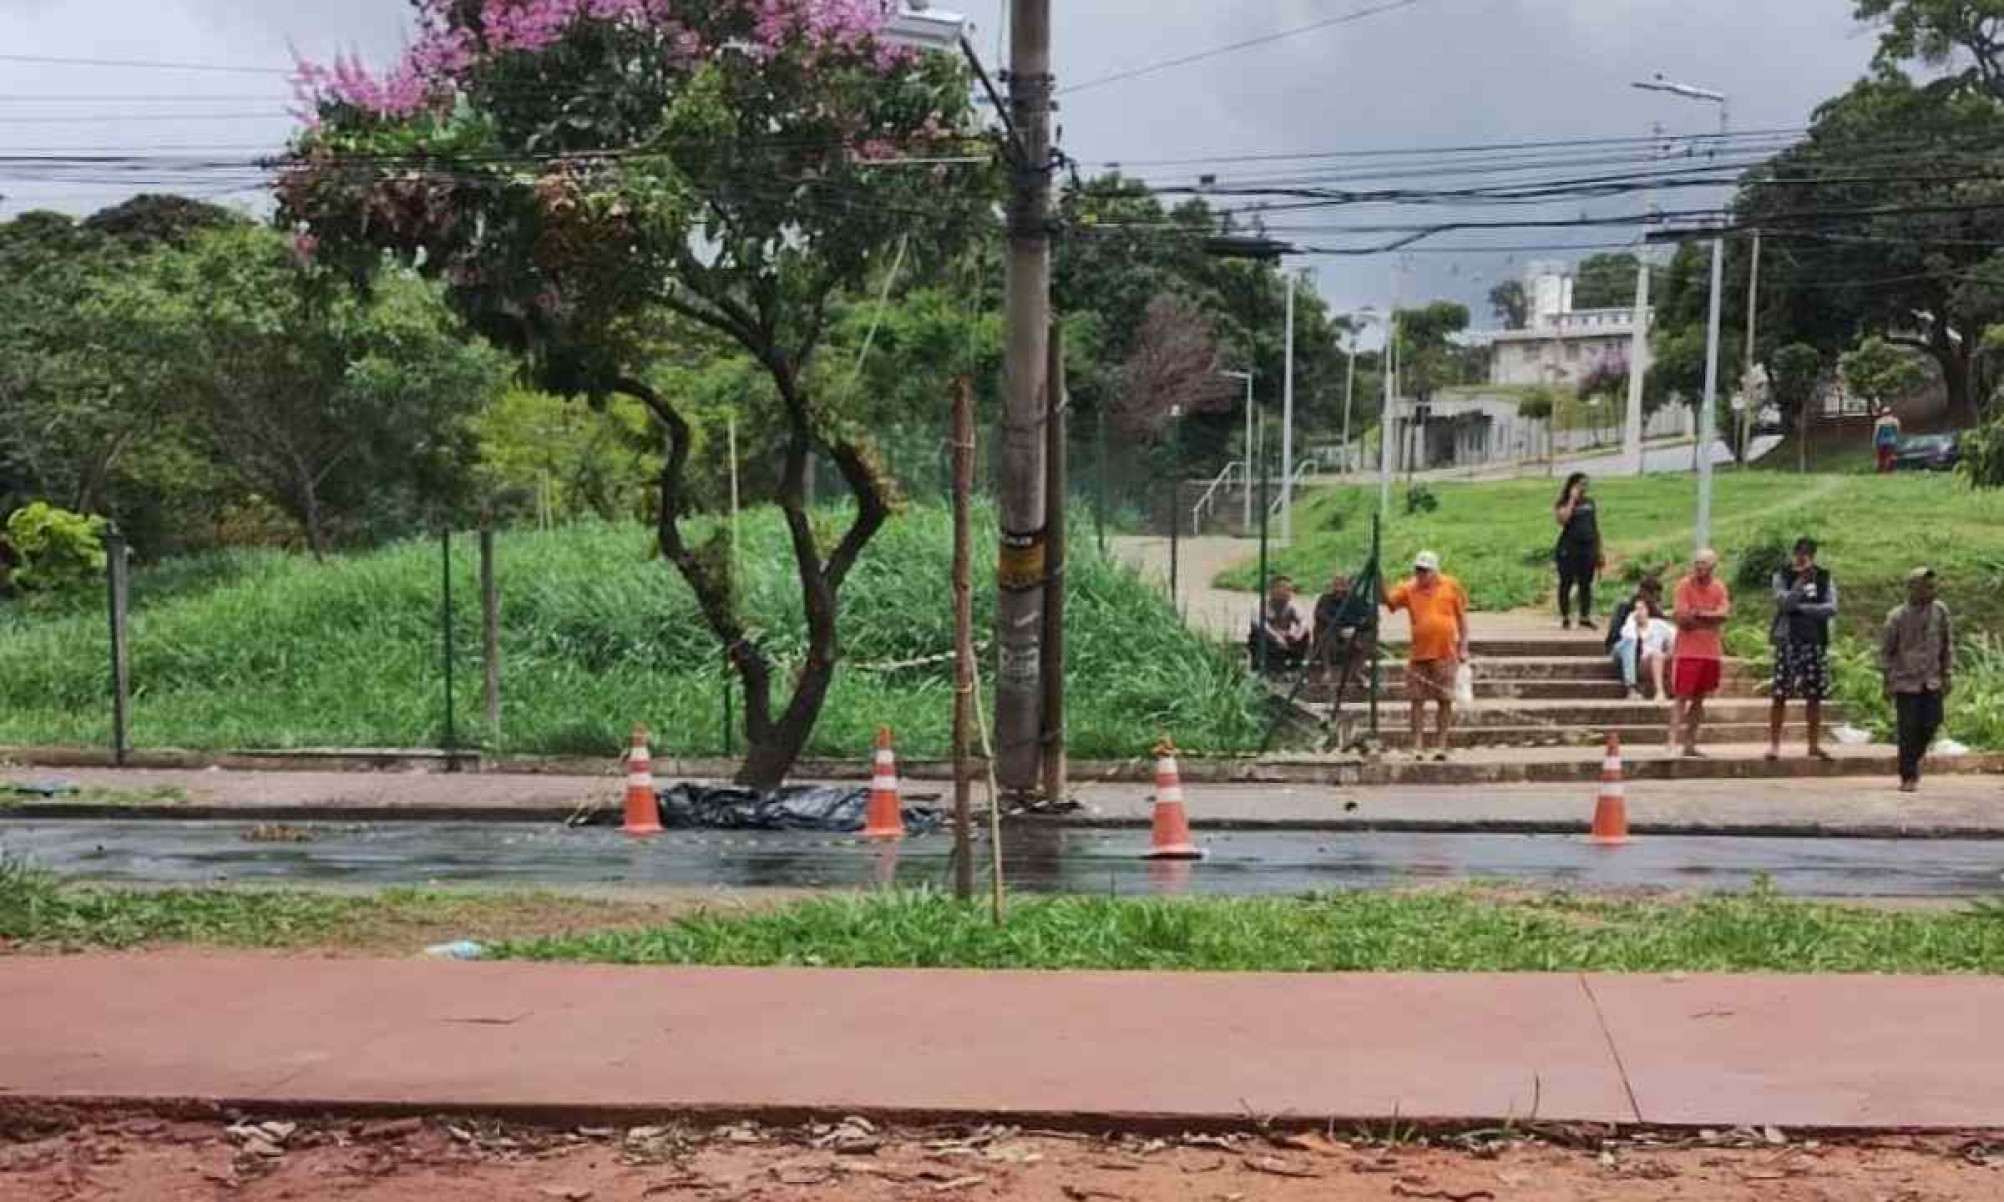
<point>1204,502</point>
<point>1300,470</point>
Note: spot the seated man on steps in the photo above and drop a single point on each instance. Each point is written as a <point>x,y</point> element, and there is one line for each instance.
<point>1438,647</point>
<point>1342,645</point>
<point>1279,642</point>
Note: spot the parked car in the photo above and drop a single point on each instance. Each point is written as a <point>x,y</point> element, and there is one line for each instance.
<point>1927,453</point>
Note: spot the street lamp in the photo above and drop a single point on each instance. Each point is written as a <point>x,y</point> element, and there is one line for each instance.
<point>1245,522</point>
<point>1707,418</point>
<point>922,27</point>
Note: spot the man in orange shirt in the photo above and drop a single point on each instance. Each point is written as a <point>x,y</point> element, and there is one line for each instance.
<point>1701,609</point>
<point>1438,647</point>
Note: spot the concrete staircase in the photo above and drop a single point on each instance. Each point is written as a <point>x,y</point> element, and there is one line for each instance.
<point>1544,706</point>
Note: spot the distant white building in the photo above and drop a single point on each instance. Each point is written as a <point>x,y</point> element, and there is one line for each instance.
<point>1562,345</point>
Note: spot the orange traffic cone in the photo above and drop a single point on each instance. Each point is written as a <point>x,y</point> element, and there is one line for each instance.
<point>1172,824</point>
<point>1610,811</point>
<point>886,817</point>
<point>643,810</point>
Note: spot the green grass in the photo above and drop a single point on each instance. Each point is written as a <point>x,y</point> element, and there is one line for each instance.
<point>269,650</point>
<point>1459,931</point>
<point>39,911</point>
<point>1455,931</point>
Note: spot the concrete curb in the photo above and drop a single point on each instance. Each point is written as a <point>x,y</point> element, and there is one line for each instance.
<point>1141,770</point>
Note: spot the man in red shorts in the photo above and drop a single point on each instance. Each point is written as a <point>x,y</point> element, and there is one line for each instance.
<point>1701,609</point>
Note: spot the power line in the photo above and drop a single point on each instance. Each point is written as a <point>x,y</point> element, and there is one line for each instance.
<point>153,64</point>
<point>1247,44</point>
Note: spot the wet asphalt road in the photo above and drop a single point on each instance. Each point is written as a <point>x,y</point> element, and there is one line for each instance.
<point>1045,859</point>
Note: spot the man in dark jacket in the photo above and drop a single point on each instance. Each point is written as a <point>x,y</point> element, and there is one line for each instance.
<point>1805,602</point>
<point>1917,655</point>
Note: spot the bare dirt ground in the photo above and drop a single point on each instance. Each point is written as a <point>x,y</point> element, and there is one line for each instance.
<point>53,1154</point>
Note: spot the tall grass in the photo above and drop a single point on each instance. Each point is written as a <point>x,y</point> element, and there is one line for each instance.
<point>267,650</point>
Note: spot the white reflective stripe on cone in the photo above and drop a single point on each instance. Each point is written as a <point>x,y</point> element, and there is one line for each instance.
<point>1172,795</point>
<point>1614,789</point>
<point>639,780</point>
<point>1613,766</point>
<point>883,784</point>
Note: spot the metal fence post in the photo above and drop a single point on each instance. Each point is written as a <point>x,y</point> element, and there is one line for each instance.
<point>445,626</point>
<point>490,629</point>
<point>121,669</point>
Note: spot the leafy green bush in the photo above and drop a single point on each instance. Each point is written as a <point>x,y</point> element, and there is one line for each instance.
<point>1420,499</point>
<point>59,550</point>
<point>1983,456</point>
<point>1758,561</point>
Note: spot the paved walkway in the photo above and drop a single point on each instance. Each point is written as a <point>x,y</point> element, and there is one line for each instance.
<point>259,1032</point>
<point>1854,805</point>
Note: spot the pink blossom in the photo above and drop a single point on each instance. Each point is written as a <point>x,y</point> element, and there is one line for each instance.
<point>449,44</point>
<point>304,244</point>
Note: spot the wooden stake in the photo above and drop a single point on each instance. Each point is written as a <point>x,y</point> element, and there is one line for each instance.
<point>490,630</point>
<point>121,664</point>
<point>1053,670</point>
<point>963,638</point>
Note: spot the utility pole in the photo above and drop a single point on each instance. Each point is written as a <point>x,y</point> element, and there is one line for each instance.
<point>1349,394</point>
<point>1708,416</point>
<point>1638,355</point>
<point>1287,425</point>
<point>1388,421</point>
<point>1021,503</point>
<point>1747,378</point>
<point>1638,345</point>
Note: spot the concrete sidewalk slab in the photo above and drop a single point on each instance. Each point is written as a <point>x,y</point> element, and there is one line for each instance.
<point>1057,1047</point>
<point>1179,1049</point>
<point>1868,1052</point>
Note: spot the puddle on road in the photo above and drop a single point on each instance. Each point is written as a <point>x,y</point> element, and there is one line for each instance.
<point>1042,858</point>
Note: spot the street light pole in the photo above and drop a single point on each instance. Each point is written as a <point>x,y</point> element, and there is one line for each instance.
<point>1708,415</point>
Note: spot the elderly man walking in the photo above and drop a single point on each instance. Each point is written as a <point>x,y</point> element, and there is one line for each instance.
<point>1917,655</point>
<point>1437,649</point>
<point>1700,609</point>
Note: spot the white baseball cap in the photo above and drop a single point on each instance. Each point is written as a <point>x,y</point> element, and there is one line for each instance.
<point>1427,560</point>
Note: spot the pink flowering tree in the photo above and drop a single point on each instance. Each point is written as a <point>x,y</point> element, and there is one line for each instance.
<point>590,177</point>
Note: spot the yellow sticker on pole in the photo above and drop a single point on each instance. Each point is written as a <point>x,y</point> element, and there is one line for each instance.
<point>1021,562</point>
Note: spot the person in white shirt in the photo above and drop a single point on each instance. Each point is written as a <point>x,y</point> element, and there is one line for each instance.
<point>1656,638</point>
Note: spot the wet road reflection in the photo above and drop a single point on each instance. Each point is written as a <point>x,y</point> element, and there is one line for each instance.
<point>1040,858</point>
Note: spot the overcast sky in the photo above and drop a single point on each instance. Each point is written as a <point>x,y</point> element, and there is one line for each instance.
<point>1434,73</point>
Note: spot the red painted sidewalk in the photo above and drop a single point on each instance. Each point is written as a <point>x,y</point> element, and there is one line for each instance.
<point>1805,1052</point>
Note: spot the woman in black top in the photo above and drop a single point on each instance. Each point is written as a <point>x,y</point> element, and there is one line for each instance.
<point>1578,554</point>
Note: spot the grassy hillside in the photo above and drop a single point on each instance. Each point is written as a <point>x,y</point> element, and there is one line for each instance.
<point>258,649</point>
<point>1497,538</point>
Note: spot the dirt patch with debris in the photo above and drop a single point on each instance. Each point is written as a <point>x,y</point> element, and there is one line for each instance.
<point>51,1153</point>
